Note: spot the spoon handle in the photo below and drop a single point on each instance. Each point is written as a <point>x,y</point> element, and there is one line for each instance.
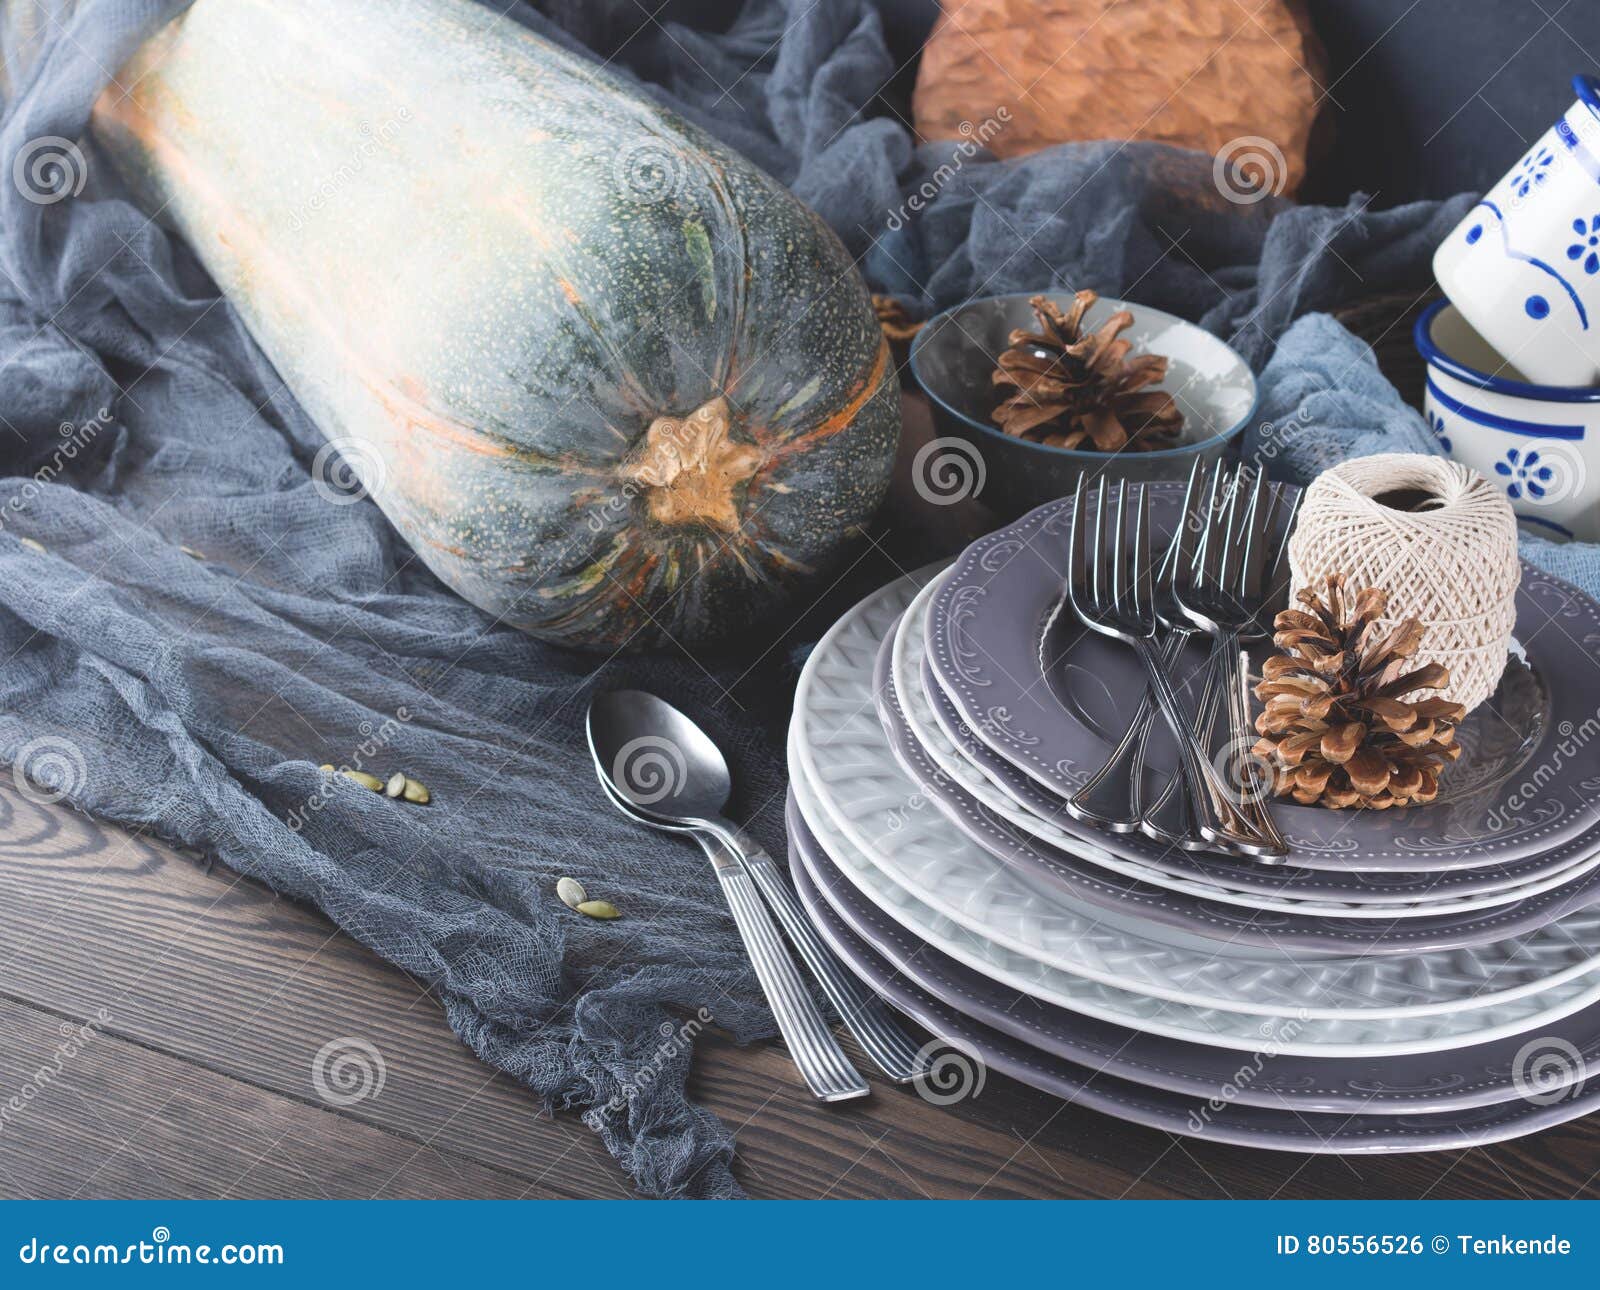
<point>811,1044</point>
<point>867,1016</point>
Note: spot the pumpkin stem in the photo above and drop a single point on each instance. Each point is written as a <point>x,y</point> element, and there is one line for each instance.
<point>691,467</point>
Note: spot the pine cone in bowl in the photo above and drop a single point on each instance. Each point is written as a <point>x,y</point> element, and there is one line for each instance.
<point>1083,389</point>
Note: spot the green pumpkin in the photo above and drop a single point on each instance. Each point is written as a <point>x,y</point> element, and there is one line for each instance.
<point>613,383</point>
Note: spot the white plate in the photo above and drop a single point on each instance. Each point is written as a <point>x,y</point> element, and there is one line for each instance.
<point>838,746</point>
<point>1286,1028</point>
<point>909,653</point>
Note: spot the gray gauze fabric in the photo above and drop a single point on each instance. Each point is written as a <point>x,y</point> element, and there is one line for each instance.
<point>196,697</point>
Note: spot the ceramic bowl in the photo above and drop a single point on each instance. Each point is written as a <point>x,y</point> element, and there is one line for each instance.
<point>954,356</point>
<point>1523,266</point>
<point>1541,443</point>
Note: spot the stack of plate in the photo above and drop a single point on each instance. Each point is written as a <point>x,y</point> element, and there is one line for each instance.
<point>1410,980</point>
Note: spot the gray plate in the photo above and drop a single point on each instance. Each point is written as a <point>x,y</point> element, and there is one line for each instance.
<point>1554,1067</point>
<point>1386,887</point>
<point>1525,784</point>
<point>1083,883</point>
<point>1218,1119</point>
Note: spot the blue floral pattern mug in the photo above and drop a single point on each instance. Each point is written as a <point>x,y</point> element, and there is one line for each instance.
<point>1539,443</point>
<point>1523,266</point>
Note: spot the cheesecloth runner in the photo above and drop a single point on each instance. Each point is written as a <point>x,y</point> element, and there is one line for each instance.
<point>195,695</point>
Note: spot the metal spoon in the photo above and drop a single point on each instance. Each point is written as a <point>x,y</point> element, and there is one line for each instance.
<point>661,769</point>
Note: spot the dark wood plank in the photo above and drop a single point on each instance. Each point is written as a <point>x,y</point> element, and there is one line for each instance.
<point>893,1144</point>
<point>92,1115</point>
<point>212,984</point>
<point>216,970</point>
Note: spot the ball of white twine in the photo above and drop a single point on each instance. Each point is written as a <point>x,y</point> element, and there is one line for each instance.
<point>1451,562</point>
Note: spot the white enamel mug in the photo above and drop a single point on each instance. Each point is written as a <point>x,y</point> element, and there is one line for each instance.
<point>1539,443</point>
<point>1523,267</point>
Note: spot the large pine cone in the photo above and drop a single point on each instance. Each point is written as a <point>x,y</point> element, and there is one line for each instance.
<point>1343,725</point>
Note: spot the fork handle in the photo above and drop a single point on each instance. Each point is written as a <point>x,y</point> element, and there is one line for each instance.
<point>867,1016</point>
<point>821,1062</point>
<point>1168,819</point>
<point>1217,819</point>
<point>1251,801</point>
<point>1111,799</point>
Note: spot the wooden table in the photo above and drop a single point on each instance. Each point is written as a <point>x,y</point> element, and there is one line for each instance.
<point>207,1000</point>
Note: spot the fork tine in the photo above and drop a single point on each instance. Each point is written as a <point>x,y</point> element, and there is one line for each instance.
<point>1169,557</point>
<point>1098,549</point>
<point>1240,514</point>
<point>1144,600</point>
<point>1279,572</point>
<point>1078,591</point>
<point>1208,563</point>
<point>1263,547</point>
<point>1250,539</point>
<point>1117,557</point>
<point>1282,554</point>
<point>1204,522</point>
<point>1186,542</point>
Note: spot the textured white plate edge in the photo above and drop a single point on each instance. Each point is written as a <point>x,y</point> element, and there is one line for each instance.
<point>1220,1130</point>
<point>1268,1024</point>
<point>804,771</point>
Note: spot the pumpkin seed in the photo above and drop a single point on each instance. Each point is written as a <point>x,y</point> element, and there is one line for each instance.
<point>192,553</point>
<point>416,791</point>
<point>395,786</point>
<point>598,909</point>
<point>571,892</point>
<point>33,545</point>
<point>365,780</point>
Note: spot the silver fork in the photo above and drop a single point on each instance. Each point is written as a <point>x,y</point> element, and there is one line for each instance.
<point>1111,798</point>
<point>1223,597</point>
<point>1168,816</point>
<point>1109,584</point>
